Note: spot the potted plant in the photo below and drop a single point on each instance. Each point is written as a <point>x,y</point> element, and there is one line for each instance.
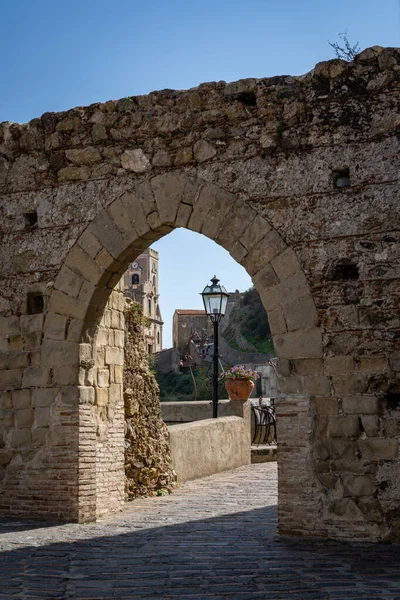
<point>239,382</point>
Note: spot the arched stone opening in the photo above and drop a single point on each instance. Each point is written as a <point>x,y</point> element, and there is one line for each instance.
<point>97,261</point>
<point>300,185</point>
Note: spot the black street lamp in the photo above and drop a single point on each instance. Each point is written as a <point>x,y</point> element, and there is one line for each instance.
<point>215,298</point>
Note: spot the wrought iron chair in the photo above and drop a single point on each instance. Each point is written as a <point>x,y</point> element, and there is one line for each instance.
<point>264,424</point>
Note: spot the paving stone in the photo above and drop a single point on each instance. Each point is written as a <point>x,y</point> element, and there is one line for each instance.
<point>212,539</point>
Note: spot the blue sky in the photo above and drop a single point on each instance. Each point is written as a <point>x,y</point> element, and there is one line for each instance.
<point>57,54</point>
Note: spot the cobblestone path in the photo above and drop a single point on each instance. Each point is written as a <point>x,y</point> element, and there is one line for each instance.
<point>212,539</point>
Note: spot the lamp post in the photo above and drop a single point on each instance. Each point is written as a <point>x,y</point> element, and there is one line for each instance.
<point>215,299</point>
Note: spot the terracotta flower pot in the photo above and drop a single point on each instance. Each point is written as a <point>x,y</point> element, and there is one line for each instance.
<point>239,389</point>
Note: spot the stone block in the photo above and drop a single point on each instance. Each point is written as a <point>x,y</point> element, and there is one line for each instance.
<point>168,190</point>
<point>73,174</point>
<point>277,322</point>
<point>119,338</point>
<point>285,264</point>
<point>6,419</point>
<point>89,243</point>
<point>35,358</point>
<point>238,252</point>
<point>339,364</point>
<point>265,279</point>
<point>263,252</point>
<point>115,393</point>
<point>379,449</point>
<point>9,326</point>
<point>55,327</point>
<point>257,230</point>
<point>350,384</point>
<point>86,394</point>
<point>103,377</point>
<point>395,361</point>
<point>65,375</point>
<point>301,314</point>
<point>4,346</point>
<point>135,160</point>
<point>343,427</point>
<point>210,198</point>
<point>104,259</point>
<point>370,425</point>
<point>21,399</point>
<point>308,366</point>
<point>114,356</point>
<point>184,156</point>
<point>183,215</point>
<point>24,417</point>
<point>362,405</point>
<point>83,156</point>
<point>87,376</point>
<point>31,323</point>
<point>74,332</point>
<point>32,341</point>
<point>284,367</point>
<point>43,397</point>
<point>58,354</point>
<point>326,405</point>
<point>21,438</point>
<point>114,319</point>
<point>10,379</point>
<point>291,385</point>
<point>373,363</point>
<point>317,385</point>
<point>118,373</point>
<point>39,436</point>
<point>299,344</point>
<point>102,337</point>
<point>36,377</point>
<point>16,342</point>
<point>6,400</point>
<point>136,213</point>
<point>70,395</point>
<point>63,304</point>
<point>18,360</point>
<point>215,218</point>
<point>358,485</point>
<point>5,456</point>
<point>80,262</point>
<point>120,214</point>
<point>42,417</point>
<point>101,396</point>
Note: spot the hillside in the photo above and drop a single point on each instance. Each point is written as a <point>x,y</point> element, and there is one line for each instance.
<point>247,328</point>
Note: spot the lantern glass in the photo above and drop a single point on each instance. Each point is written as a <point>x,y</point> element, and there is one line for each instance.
<point>215,299</point>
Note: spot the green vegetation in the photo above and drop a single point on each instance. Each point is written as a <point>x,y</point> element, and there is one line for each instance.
<point>178,387</point>
<point>251,321</point>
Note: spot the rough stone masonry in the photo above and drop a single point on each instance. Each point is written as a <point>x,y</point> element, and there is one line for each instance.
<point>297,177</point>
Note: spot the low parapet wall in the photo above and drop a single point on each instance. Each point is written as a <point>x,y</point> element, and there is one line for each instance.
<point>196,410</point>
<point>205,447</point>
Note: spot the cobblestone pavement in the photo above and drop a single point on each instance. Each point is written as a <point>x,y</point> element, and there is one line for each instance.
<point>213,539</point>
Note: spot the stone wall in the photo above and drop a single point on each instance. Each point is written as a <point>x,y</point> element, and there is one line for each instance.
<point>211,446</point>
<point>297,177</point>
<point>148,467</point>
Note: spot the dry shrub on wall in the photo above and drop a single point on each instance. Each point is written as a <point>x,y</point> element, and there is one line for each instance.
<point>148,466</point>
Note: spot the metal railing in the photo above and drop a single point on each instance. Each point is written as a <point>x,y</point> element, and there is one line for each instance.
<point>263,415</point>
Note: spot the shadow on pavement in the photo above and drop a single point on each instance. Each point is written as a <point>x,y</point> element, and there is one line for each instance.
<point>235,556</point>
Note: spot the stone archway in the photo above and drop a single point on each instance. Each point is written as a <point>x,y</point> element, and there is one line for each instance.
<point>280,173</point>
<point>96,263</point>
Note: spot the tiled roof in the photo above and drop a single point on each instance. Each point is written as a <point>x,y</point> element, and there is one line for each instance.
<point>189,311</point>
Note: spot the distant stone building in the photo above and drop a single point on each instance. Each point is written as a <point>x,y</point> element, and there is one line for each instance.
<point>190,324</point>
<point>192,333</point>
<point>141,285</point>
